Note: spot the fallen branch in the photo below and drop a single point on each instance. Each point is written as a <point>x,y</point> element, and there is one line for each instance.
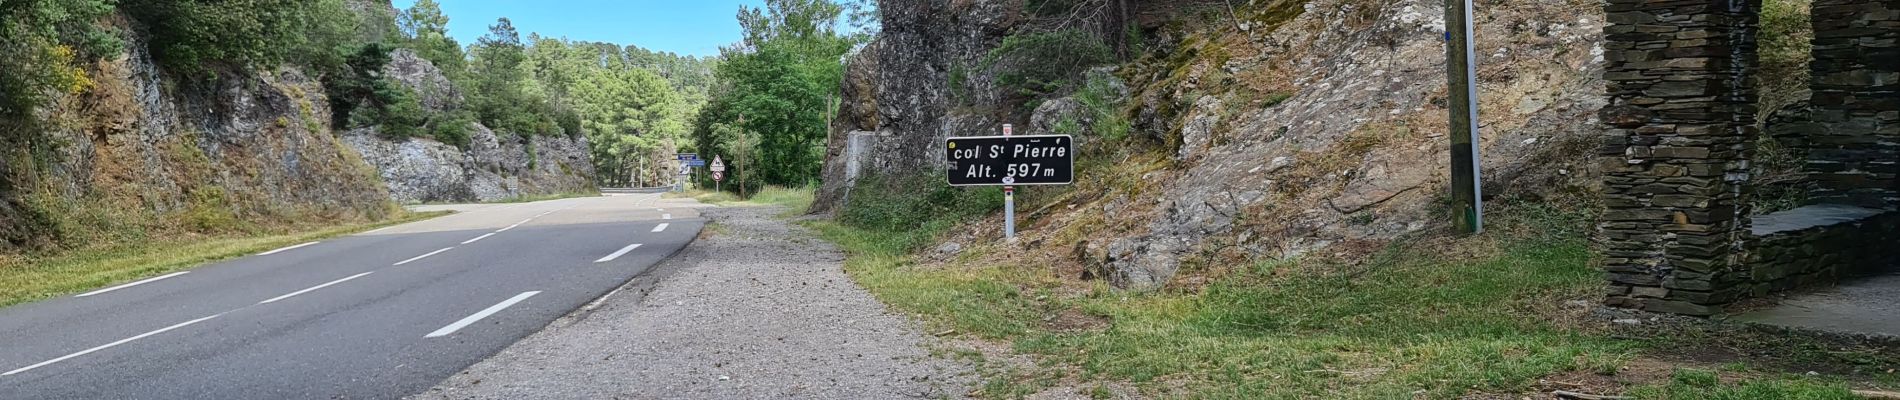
<point>1565,394</point>
<point>1877,395</point>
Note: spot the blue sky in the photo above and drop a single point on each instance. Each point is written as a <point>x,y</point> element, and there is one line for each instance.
<point>692,27</point>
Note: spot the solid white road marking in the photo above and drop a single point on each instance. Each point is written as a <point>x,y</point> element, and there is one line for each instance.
<point>661,227</point>
<point>109,345</point>
<point>479,238</point>
<point>623,251</point>
<point>313,288</point>
<point>425,255</point>
<point>377,230</point>
<point>285,249</point>
<point>149,280</point>
<point>491,310</point>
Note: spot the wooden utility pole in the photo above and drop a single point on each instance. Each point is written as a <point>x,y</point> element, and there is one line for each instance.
<point>1461,60</point>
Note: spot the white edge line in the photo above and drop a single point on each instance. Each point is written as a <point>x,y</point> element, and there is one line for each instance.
<point>425,255</point>
<point>477,238</point>
<point>484,313</point>
<point>287,248</point>
<point>141,282</point>
<point>623,251</point>
<point>313,288</point>
<point>378,230</point>
<point>660,227</point>
<point>603,299</point>
<point>109,345</point>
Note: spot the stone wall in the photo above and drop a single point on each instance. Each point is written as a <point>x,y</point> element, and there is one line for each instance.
<point>1853,141</point>
<point>1817,245</point>
<point>1675,172</point>
<point>1676,236</point>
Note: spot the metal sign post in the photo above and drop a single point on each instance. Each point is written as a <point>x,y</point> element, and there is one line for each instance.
<point>1461,65</point>
<point>1008,161</point>
<point>718,168</point>
<point>687,161</point>
<point>1009,195</point>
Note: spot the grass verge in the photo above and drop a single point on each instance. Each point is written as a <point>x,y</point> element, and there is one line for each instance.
<point>796,199</point>
<point>1433,318</point>
<point>33,278</point>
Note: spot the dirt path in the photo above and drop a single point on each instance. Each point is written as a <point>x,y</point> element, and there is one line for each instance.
<point>761,309</point>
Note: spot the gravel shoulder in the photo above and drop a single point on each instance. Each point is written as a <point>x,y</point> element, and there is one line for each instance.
<point>756,308</point>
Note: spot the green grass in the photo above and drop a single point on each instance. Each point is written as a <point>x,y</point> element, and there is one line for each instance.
<point>1702,384</point>
<point>797,199</point>
<point>38,277</point>
<point>704,196</point>
<point>1437,319</point>
<point>1408,320</point>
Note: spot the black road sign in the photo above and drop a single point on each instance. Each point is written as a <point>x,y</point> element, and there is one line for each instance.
<point>1011,160</point>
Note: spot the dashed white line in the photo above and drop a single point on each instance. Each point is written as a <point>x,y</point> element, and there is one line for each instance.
<point>515,225</point>
<point>313,288</point>
<point>478,238</point>
<point>623,251</point>
<point>425,255</point>
<point>491,310</point>
<point>280,250</point>
<point>109,345</point>
<point>148,280</point>
<point>661,227</point>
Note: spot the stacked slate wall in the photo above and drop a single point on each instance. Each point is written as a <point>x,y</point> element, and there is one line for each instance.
<point>1853,141</point>
<point>1820,255</point>
<point>1675,235</point>
<point>1676,166</point>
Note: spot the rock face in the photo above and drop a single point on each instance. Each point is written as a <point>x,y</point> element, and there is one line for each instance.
<point>495,166</point>
<point>433,89</point>
<point>157,150</point>
<point>1310,126</point>
<point>905,109</point>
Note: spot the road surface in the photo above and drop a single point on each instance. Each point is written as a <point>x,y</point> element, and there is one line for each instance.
<point>382,314</point>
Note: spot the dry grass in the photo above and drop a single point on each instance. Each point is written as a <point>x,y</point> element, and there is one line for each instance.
<point>27,278</point>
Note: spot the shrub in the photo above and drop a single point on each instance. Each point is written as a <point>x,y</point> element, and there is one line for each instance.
<point>914,210</point>
<point>1100,99</point>
<point>188,35</point>
<point>1038,64</point>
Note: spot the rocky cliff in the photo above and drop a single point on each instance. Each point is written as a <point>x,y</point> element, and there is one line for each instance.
<point>1270,130</point>
<point>141,151</point>
<point>494,166</point>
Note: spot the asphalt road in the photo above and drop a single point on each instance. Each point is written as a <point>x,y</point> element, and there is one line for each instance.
<point>382,314</point>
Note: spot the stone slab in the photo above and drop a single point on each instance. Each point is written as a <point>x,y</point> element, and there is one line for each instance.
<point>1862,307</point>
<point>1810,217</point>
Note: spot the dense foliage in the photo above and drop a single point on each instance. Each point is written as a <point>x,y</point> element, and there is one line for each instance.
<point>634,104</point>
<point>778,90</point>
<point>1037,64</point>
<point>191,35</point>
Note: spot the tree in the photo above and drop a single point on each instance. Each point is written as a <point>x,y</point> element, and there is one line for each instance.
<point>779,83</point>
<point>499,84</point>
<point>426,30</point>
<point>191,35</point>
